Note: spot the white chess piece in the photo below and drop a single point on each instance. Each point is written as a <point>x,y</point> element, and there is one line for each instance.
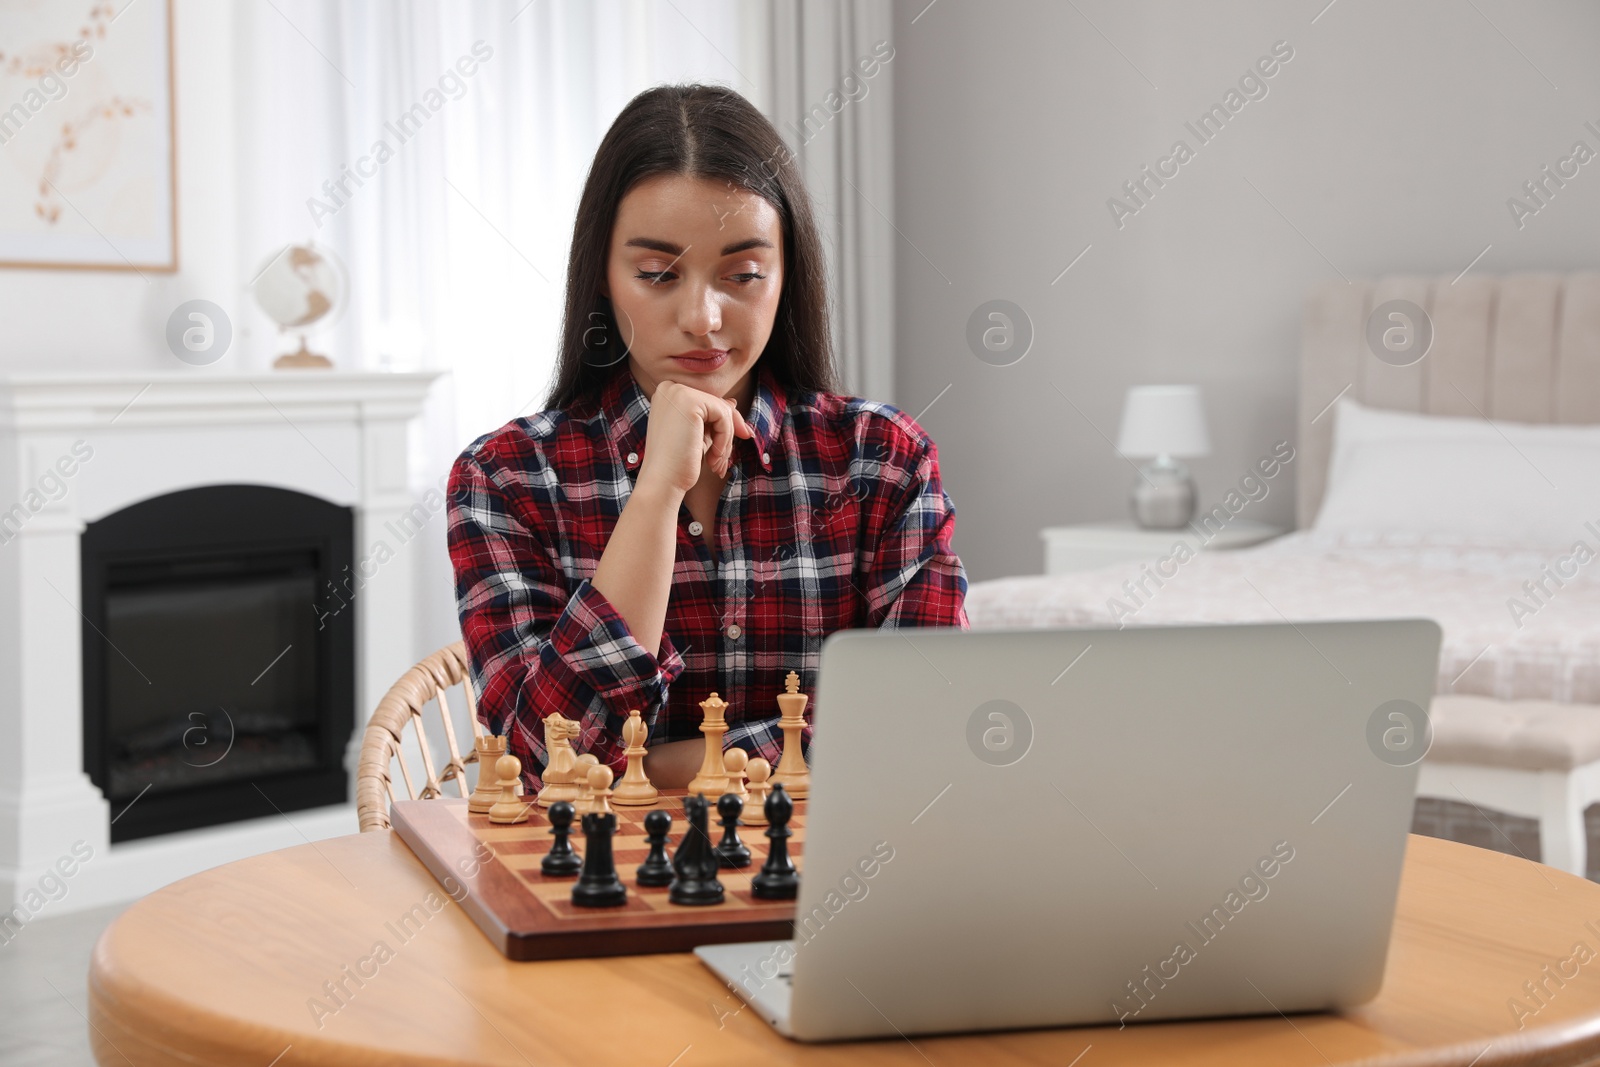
<point>561,762</point>
<point>755,808</point>
<point>734,762</point>
<point>600,790</point>
<point>712,779</point>
<point>510,808</point>
<point>635,788</point>
<point>792,772</point>
<point>586,762</point>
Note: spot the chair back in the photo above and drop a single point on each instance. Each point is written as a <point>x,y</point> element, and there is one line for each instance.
<point>396,737</point>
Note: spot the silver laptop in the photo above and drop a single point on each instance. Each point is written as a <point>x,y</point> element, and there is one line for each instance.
<point>1026,828</point>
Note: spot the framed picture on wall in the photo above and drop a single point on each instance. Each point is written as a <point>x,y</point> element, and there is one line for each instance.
<point>87,144</point>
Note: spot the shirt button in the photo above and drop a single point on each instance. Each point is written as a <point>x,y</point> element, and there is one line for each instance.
<point>733,631</point>
<point>633,457</point>
<point>766,457</point>
<point>696,529</point>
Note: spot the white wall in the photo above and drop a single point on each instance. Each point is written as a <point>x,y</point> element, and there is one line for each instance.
<point>69,320</point>
<point>1389,143</point>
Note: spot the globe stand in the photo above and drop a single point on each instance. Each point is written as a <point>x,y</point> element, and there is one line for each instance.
<point>302,358</point>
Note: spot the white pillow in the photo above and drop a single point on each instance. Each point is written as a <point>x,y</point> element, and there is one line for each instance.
<point>1400,472</point>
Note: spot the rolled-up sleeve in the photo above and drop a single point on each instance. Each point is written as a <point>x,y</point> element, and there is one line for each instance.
<point>912,575</point>
<point>538,644</point>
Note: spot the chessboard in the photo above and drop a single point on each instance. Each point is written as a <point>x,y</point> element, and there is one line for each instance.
<point>492,871</point>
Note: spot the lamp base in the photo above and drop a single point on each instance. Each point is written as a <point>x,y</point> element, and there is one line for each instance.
<point>1164,497</point>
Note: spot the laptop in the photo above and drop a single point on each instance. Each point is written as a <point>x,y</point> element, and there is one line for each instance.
<point>1039,828</point>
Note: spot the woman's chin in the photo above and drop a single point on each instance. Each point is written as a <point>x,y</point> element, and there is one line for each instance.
<point>721,382</point>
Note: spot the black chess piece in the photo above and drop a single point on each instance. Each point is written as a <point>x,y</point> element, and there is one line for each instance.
<point>694,865</point>
<point>731,852</point>
<point>778,879</point>
<point>656,870</point>
<point>562,861</point>
<point>598,886</point>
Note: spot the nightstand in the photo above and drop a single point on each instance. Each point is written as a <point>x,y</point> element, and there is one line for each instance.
<point>1096,544</point>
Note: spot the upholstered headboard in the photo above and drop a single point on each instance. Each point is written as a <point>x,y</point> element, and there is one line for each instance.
<point>1521,347</point>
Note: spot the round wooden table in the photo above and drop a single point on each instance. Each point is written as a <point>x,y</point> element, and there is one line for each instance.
<point>228,967</point>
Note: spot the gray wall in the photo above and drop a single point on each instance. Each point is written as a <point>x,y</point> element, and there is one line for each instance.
<point>1389,143</point>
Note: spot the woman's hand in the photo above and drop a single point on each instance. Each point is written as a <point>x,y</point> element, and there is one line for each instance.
<point>689,427</point>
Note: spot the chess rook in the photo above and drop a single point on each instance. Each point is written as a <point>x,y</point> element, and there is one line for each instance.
<point>598,886</point>
<point>489,747</point>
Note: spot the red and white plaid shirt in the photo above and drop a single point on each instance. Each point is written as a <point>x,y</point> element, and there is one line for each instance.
<point>833,518</point>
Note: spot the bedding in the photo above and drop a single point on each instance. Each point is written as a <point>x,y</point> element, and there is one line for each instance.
<point>1520,622</point>
<point>1533,484</point>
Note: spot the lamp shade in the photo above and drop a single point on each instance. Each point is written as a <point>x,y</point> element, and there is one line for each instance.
<point>1163,420</point>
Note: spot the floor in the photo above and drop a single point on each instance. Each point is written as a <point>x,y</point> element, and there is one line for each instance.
<point>43,969</point>
<point>1494,830</point>
<point>43,991</point>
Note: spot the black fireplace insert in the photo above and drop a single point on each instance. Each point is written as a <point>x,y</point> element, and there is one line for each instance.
<point>218,673</point>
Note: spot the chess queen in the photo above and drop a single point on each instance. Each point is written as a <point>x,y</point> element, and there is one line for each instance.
<point>699,504</point>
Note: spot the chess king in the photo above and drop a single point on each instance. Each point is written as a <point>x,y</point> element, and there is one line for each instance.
<point>694,431</point>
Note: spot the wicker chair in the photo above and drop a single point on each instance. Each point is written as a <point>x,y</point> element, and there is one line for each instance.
<point>384,743</point>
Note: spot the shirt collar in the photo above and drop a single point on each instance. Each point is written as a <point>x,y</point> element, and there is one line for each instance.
<point>626,411</point>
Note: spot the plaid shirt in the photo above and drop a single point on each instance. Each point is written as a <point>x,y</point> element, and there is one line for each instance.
<point>833,517</point>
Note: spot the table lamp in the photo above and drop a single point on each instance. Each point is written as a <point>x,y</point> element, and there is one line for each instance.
<point>1164,422</point>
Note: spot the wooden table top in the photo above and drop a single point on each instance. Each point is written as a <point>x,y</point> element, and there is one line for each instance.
<point>225,967</point>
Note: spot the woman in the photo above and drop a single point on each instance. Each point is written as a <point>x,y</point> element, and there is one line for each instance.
<point>697,509</point>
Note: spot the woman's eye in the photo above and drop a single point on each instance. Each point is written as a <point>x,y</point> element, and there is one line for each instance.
<point>656,276</point>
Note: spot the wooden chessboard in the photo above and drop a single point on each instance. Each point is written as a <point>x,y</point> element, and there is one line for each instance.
<point>493,872</point>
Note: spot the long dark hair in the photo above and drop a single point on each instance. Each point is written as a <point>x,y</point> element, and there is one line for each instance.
<point>699,131</point>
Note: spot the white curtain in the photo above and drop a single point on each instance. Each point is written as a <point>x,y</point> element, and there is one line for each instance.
<point>456,243</point>
<point>832,76</point>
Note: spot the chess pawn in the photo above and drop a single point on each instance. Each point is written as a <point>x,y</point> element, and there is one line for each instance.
<point>731,852</point>
<point>656,870</point>
<point>712,780</point>
<point>635,787</point>
<point>759,771</point>
<point>734,762</point>
<point>600,790</point>
<point>562,861</point>
<point>792,772</point>
<point>510,808</point>
<point>580,781</point>
<point>490,748</point>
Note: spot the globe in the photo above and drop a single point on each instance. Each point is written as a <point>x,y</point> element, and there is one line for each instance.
<point>301,287</point>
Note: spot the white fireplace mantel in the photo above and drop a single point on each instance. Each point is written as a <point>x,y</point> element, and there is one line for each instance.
<point>75,448</point>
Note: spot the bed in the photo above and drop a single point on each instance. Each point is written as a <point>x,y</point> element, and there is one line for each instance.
<point>1514,349</point>
<point>1461,583</point>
